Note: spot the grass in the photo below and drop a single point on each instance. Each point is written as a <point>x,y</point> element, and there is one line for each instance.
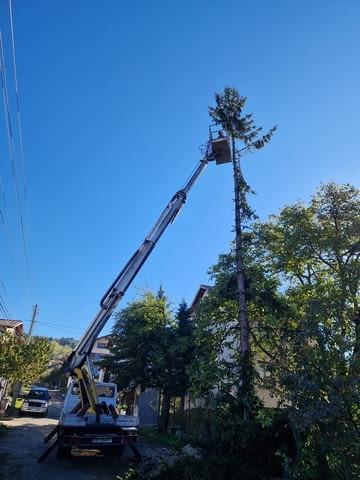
<point>167,439</point>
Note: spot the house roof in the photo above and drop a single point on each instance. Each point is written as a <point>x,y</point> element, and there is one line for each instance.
<point>104,336</point>
<point>202,290</point>
<point>10,323</point>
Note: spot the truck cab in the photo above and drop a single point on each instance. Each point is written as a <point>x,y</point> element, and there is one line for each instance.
<point>106,392</point>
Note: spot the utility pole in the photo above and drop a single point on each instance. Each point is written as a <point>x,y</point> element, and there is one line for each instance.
<point>34,313</point>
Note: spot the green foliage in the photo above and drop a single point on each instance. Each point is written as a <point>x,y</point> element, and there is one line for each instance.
<point>21,360</point>
<point>131,474</point>
<point>216,339</point>
<point>302,279</point>
<point>185,347</point>
<point>65,341</point>
<point>140,331</point>
<point>233,449</point>
<point>228,113</point>
<point>217,334</point>
<point>162,438</point>
<point>54,377</point>
<point>302,283</point>
<point>59,351</point>
<point>241,449</point>
<point>152,348</point>
<point>313,350</point>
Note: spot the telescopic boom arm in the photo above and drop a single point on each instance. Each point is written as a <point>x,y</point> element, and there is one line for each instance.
<point>118,288</point>
<point>216,149</point>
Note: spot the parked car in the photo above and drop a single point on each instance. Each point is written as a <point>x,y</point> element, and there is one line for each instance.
<point>37,401</point>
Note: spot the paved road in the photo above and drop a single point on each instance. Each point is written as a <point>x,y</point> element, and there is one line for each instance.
<point>23,443</point>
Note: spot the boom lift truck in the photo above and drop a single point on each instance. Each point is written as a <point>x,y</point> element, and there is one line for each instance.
<point>89,418</point>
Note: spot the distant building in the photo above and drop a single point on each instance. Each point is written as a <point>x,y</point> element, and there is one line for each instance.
<point>100,350</point>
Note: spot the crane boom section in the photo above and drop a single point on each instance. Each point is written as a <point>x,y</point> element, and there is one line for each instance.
<point>118,288</point>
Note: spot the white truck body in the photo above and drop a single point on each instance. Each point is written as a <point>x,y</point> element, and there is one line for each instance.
<point>89,431</point>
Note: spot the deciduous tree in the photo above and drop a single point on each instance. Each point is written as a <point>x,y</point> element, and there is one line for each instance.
<point>22,361</point>
<point>314,352</point>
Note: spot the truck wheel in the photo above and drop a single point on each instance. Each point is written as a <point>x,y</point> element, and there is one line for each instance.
<point>63,452</point>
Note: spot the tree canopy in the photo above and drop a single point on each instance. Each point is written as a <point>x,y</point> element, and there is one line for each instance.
<point>314,252</point>
<point>152,348</point>
<point>302,283</point>
<point>21,360</point>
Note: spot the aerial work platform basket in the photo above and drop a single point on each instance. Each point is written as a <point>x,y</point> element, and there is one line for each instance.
<point>220,146</point>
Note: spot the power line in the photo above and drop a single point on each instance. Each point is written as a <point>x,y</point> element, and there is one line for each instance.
<point>63,328</point>
<point>3,219</point>
<point>11,146</point>
<point>3,308</point>
<point>17,98</point>
<point>57,325</point>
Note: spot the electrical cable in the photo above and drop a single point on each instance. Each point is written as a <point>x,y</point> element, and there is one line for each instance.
<point>17,99</point>
<point>16,150</point>
<point>11,145</point>
<point>10,244</point>
<point>60,325</point>
<point>3,219</point>
<point>19,125</point>
<point>6,295</point>
<point>56,326</point>
<point>3,308</point>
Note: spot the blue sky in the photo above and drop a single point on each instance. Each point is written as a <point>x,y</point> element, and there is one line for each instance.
<point>113,98</point>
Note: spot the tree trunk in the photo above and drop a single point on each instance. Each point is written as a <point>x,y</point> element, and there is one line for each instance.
<point>239,200</point>
<point>165,412</point>
<point>355,361</point>
<point>16,389</point>
<point>323,465</point>
<point>182,404</point>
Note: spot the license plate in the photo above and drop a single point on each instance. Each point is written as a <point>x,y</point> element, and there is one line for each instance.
<point>101,440</point>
